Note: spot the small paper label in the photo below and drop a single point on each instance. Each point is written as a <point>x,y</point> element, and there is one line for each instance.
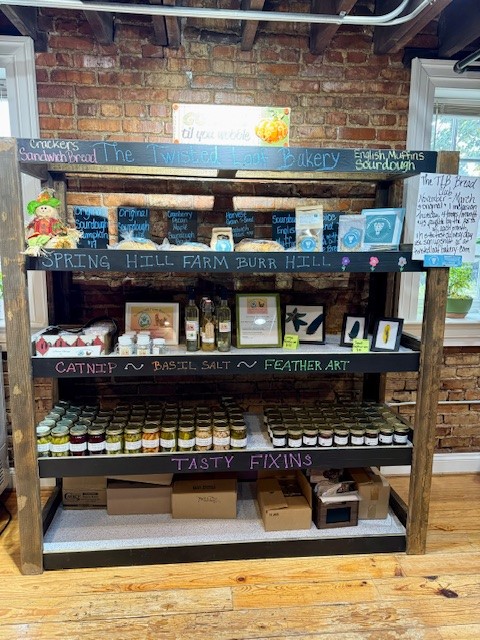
<point>290,341</point>
<point>442,261</point>
<point>360,345</point>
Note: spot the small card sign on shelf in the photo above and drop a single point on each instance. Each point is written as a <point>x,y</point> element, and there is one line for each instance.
<point>242,224</point>
<point>283,228</point>
<point>182,226</point>
<point>93,223</point>
<point>133,222</point>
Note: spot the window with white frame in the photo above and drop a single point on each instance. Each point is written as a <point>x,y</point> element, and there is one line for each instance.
<point>444,114</point>
<point>19,118</point>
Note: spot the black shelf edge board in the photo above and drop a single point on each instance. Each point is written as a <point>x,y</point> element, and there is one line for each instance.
<point>100,260</point>
<point>232,551</point>
<point>51,506</point>
<point>220,461</point>
<point>85,153</point>
<point>223,364</point>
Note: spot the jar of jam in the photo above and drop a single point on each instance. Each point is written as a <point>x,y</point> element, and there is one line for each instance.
<point>114,440</point>
<point>132,439</point>
<point>400,434</point>
<point>60,443</point>
<point>279,436</point>
<point>150,438</point>
<point>186,438</point>
<point>78,440</point>
<point>43,441</point>
<point>385,435</point>
<point>371,436</point>
<point>168,438</point>
<point>96,440</point>
<point>203,437</point>
<point>294,437</point>
<point>340,437</point>
<point>325,437</point>
<point>357,436</point>
<point>310,437</point>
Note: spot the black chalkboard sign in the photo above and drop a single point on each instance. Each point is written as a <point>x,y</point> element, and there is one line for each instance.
<point>133,222</point>
<point>93,223</point>
<point>330,230</point>
<point>182,226</point>
<point>283,228</point>
<point>130,154</point>
<point>242,223</point>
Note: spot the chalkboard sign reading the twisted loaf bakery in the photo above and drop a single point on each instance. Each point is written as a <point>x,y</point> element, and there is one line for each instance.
<point>93,223</point>
<point>182,226</point>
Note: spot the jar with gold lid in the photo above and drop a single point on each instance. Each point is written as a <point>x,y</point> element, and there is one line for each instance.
<point>220,435</point>
<point>150,438</point>
<point>43,441</point>
<point>132,439</point>
<point>96,440</point>
<point>203,436</point>
<point>238,436</point>
<point>114,440</point>
<point>60,442</point>
<point>340,436</point>
<point>186,438</point>
<point>168,438</point>
<point>78,440</point>
<point>325,437</point>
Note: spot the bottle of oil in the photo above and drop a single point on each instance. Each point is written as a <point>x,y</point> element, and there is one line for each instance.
<point>224,326</point>
<point>192,324</point>
<point>207,335</point>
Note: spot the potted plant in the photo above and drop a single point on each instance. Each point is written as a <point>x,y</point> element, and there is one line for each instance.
<point>460,291</point>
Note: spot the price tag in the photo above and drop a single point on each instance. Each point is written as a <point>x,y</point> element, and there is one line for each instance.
<point>360,345</point>
<point>290,341</point>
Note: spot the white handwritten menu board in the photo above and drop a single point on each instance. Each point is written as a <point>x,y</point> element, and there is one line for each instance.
<point>93,223</point>
<point>446,217</point>
<point>182,226</point>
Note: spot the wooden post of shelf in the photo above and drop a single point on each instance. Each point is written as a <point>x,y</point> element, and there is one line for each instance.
<point>17,322</point>
<point>431,358</point>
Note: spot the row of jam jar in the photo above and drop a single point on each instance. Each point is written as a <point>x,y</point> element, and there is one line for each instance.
<point>339,435</point>
<point>79,440</point>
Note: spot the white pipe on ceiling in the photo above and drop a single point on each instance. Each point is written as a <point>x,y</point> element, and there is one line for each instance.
<point>386,20</point>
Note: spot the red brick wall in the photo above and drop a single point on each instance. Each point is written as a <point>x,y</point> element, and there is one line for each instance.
<point>346,97</point>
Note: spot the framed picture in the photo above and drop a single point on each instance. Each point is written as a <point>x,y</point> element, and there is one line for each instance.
<point>160,318</point>
<point>386,334</point>
<point>383,228</point>
<point>306,322</point>
<point>258,320</point>
<point>353,327</point>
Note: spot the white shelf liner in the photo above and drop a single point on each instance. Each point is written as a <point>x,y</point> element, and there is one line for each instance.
<point>95,530</point>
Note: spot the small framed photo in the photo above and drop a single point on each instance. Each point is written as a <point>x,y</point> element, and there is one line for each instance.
<point>258,320</point>
<point>161,319</point>
<point>353,327</point>
<point>306,322</point>
<point>386,334</point>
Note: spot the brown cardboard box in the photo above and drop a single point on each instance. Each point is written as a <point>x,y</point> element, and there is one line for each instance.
<point>374,492</point>
<point>148,478</point>
<point>282,512</point>
<point>205,497</point>
<point>84,492</point>
<point>128,498</point>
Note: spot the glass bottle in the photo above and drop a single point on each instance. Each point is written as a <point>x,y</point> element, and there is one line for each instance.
<point>208,327</point>
<point>78,440</point>
<point>224,327</point>
<point>192,325</point>
<point>43,441</point>
<point>60,442</point>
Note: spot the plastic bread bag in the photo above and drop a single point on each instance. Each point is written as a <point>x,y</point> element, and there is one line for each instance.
<point>186,246</point>
<point>248,244</point>
<point>130,241</point>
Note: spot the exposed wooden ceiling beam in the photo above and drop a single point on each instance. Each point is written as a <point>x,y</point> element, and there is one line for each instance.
<point>458,29</point>
<point>321,34</point>
<point>393,39</point>
<point>167,29</point>
<point>101,24</point>
<point>249,28</point>
<point>24,19</point>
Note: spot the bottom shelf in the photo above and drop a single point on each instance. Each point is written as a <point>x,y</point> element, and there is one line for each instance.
<point>92,538</point>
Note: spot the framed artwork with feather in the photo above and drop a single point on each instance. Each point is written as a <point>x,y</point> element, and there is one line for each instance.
<point>353,327</point>
<point>306,322</point>
<point>387,333</point>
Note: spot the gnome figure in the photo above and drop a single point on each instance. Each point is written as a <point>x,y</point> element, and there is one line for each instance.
<point>46,230</point>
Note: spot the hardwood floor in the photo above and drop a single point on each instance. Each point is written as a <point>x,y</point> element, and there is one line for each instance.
<point>377,597</point>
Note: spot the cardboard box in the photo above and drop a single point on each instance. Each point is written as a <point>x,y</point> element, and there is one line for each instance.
<point>93,341</point>
<point>205,497</point>
<point>132,498</point>
<point>89,492</point>
<point>280,510</point>
<point>150,478</point>
<point>339,513</point>
<point>374,492</point>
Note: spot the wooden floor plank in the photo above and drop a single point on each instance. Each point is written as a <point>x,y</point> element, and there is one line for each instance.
<point>419,587</point>
<point>459,632</point>
<point>441,563</point>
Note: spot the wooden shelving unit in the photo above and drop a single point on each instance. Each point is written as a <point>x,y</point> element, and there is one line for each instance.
<point>89,164</point>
